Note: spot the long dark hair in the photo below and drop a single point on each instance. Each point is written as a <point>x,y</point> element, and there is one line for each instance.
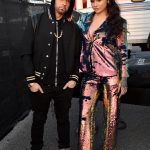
<point>70,10</point>
<point>115,21</point>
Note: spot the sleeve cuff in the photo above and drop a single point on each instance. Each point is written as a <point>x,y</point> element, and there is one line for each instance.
<point>31,79</point>
<point>74,78</point>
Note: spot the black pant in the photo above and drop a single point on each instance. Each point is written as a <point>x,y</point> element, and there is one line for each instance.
<point>40,105</point>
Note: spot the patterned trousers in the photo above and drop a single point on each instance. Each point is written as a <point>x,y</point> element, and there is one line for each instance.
<point>91,89</point>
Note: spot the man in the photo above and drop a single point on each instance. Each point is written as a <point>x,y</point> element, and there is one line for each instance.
<point>51,69</point>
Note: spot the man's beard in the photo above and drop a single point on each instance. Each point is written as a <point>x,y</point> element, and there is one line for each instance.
<point>61,11</point>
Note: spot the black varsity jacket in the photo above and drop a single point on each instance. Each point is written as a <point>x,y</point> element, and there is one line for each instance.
<point>36,48</point>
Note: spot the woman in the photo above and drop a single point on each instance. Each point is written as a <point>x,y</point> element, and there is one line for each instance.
<point>103,62</point>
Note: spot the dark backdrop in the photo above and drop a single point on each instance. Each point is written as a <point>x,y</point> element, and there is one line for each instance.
<point>14,97</point>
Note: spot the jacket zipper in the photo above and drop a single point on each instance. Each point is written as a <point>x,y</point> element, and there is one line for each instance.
<point>56,70</point>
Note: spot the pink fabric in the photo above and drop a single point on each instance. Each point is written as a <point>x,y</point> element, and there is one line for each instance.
<point>101,66</point>
<point>87,121</point>
<point>102,57</point>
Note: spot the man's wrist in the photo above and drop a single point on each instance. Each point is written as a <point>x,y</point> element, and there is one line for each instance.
<point>74,78</point>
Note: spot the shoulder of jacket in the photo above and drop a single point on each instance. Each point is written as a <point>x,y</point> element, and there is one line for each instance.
<point>75,25</point>
<point>35,19</point>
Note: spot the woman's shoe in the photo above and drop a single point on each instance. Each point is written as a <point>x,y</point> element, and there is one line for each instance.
<point>121,125</point>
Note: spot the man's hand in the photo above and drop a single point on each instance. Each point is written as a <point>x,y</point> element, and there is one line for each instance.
<point>70,84</point>
<point>35,87</point>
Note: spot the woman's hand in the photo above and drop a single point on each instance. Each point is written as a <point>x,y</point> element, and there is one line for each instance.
<point>89,36</point>
<point>123,91</point>
<point>70,84</point>
<point>70,18</point>
<point>122,87</point>
<point>35,87</point>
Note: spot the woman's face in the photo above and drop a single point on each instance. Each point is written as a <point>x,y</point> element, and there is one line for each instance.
<point>99,6</point>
